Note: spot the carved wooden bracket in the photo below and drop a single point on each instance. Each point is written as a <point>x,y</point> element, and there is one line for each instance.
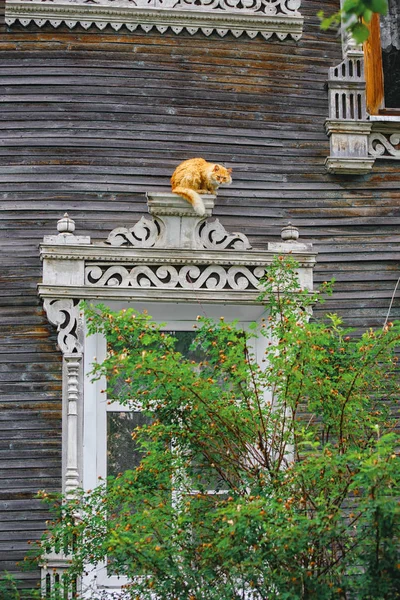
<point>384,140</point>
<point>65,314</point>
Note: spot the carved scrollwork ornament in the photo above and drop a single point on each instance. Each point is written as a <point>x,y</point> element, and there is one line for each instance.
<point>189,277</point>
<point>144,234</point>
<point>384,145</point>
<point>65,314</point>
<point>214,236</point>
<point>268,7</point>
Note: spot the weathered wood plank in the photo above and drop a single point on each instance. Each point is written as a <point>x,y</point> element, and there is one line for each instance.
<point>92,120</point>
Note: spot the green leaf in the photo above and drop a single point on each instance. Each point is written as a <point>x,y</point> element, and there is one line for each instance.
<point>360,32</point>
<point>350,5</point>
<point>378,6</point>
<point>367,16</point>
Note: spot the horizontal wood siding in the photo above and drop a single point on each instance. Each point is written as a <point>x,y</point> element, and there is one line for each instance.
<point>2,15</point>
<point>91,120</point>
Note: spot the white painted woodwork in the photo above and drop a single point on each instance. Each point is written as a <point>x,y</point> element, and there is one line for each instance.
<point>176,265</point>
<point>356,139</point>
<point>267,17</point>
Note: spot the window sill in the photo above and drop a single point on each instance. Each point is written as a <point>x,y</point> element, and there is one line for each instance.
<point>385,118</point>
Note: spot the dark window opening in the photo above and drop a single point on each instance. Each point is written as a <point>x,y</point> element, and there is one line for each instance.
<point>390,44</point>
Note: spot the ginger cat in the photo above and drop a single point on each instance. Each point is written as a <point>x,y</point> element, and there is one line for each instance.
<point>197,176</point>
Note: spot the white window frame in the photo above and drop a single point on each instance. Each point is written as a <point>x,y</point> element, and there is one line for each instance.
<point>96,404</point>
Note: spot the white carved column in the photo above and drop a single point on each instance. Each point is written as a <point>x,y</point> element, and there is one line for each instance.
<point>348,125</point>
<point>72,364</point>
<point>66,316</point>
<point>64,313</point>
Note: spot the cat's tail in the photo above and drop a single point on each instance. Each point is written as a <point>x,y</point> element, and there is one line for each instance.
<point>193,197</point>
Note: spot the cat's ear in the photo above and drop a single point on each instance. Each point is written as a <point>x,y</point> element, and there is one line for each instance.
<point>229,171</point>
<point>216,168</point>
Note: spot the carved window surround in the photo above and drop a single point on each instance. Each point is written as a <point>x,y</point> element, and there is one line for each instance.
<point>357,139</point>
<point>174,257</point>
<point>267,17</point>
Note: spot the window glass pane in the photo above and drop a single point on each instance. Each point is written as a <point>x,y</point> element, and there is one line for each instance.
<point>182,345</point>
<point>123,452</point>
<point>184,340</point>
<point>203,478</point>
<point>391,72</point>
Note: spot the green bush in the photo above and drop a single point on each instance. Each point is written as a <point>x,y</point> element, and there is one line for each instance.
<point>300,448</point>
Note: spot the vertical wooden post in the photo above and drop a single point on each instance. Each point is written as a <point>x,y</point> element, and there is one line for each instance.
<point>73,379</point>
<point>374,68</point>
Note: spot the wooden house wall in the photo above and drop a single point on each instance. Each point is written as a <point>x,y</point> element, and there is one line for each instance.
<point>2,15</point>
<point>90,120</point>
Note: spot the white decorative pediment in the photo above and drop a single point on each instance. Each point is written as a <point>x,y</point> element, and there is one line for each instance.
<point>267,17</point>
<point>170,230</point>
<point>176,254</point>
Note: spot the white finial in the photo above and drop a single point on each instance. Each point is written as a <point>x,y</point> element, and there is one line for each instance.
<point>66,225</point>
<point>289,233</point>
